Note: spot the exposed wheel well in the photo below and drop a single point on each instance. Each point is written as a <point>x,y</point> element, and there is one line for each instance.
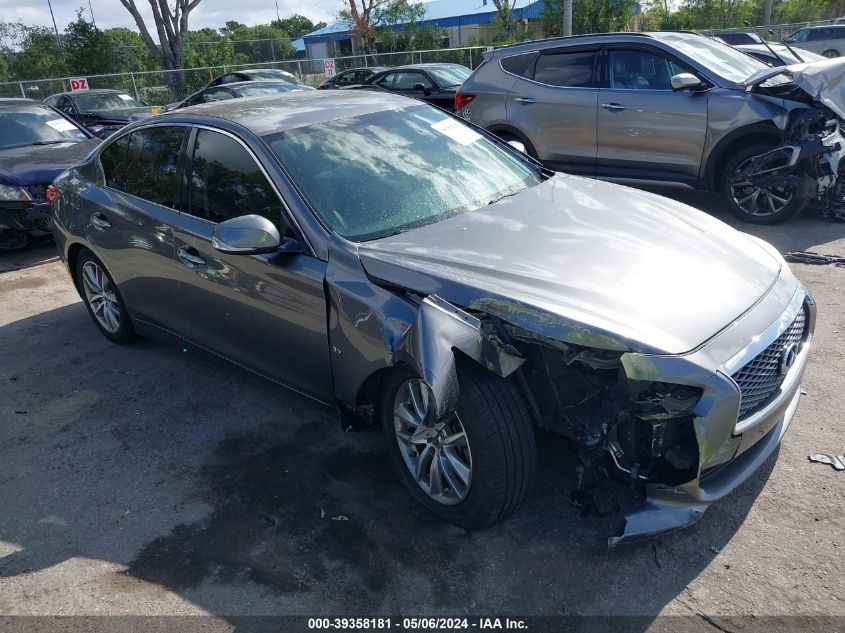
<point>723,151</point>
<point>505,132</point>
<point>72,257</point>
<point>372,387</point>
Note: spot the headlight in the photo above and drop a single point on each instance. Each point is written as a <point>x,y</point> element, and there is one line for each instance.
<point>665,401</point>
<point>9,193</point>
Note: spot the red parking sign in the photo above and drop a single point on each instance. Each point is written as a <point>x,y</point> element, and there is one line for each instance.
<point>79,83</point>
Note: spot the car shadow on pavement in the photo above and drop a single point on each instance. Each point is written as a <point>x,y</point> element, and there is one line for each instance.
<point>41,253</point>
<point>242,498</point>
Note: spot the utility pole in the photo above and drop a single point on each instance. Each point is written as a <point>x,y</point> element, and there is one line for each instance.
<point>56,28</point>
<point>567,16</point>
<point>91,9</point>
<point>278,19</point>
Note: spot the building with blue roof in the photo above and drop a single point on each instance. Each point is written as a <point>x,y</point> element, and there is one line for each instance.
<point>466,21</point>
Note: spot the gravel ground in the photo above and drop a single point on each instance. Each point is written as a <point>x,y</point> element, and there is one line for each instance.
<point>149,480</point>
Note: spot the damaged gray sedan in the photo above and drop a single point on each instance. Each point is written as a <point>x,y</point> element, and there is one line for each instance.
<point>382,256</point>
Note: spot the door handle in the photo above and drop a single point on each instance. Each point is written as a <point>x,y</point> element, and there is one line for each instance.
<point>525,100</point>
<point>100,222</point>
<point>613,107</point>
<point>190,257</point>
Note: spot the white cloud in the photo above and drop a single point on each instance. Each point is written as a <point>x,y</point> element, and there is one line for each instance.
<point>210,13</point>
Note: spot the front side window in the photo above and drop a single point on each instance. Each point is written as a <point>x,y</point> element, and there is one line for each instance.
<point>226,182</point>
<point>152,163</point>
<point>387,172</point>
<point>573,70</point>
<point>799,36</point>
<point>641,70</point>
<point>36,125</point>
<point>408,81</point>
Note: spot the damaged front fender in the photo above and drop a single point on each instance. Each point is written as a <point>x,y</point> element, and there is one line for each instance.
<point>373,327</point>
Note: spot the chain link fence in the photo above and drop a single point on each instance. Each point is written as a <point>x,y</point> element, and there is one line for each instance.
<point>160,87</point>
<point>779,31</point>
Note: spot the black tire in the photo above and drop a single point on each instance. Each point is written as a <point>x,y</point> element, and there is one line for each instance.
<point>831,53</point>
<point>124,333</point>
<point>789,211</point>
<point>500,436</point>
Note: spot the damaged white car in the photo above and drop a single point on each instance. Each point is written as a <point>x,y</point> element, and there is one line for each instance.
<point>381,255</point>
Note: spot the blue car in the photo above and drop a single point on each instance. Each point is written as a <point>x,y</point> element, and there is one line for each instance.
<point>37,143</point>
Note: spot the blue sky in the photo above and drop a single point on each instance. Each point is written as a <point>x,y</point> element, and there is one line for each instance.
<point>213,13</point>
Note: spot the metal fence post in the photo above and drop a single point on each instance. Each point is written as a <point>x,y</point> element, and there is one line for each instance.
<point>299,64</point>
<point>23,92</point>
<point>470,60</point>
<point>134,86</point>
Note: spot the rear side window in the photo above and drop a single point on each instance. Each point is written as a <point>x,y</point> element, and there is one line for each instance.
<point>573,70</point>
<point>113,163</point>
<point>152,162</point>
<point>226,182</point>
<point>519,64</point>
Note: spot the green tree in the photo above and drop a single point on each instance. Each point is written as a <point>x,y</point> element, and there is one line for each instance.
<point>129,51</point>
<point>32,51</point>
<point>88,50</point>
<point>296,25</point>
<point>206,47</point>
<point>588,16</point>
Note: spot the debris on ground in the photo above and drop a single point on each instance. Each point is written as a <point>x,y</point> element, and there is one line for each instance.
<point>809,257</point>
<point>837,461</point>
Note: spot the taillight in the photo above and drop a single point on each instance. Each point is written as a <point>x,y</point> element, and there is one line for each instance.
<point>52,193</point>
<point>321,87</point>
<point>462,101</point>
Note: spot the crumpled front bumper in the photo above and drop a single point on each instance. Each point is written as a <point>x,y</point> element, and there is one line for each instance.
<point>729,452</point>
<point>18,218</point>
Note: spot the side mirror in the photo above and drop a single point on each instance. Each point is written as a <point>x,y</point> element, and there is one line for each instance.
<point>426,90</point>
<point>682,81</point>
<point>246,235</point>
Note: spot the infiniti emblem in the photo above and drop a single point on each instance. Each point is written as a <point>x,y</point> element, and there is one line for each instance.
<point>787,357</point>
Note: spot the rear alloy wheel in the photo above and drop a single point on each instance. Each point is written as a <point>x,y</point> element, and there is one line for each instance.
<point>831,53</point>
<point>754,203</point>
<point>475,467</point>
<point>103,300</point>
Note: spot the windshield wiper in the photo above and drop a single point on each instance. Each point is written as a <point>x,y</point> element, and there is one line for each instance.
<point>502,197</point>
<point>67,140</point>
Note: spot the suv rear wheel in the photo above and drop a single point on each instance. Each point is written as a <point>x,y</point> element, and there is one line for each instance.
<point>473,469</point>
<point>752,203</point>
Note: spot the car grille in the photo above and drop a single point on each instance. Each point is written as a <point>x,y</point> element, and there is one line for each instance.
<point>760,378</point>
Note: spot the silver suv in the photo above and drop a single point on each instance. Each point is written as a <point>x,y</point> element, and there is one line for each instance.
<point>668,106</point>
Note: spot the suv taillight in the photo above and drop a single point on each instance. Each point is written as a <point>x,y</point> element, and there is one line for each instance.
<point>462,101</point>
<point>52,193</point>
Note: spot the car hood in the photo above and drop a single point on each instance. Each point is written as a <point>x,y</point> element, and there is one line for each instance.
<point>823,80</point>
<point>586,262</point>
<point>39,164</point>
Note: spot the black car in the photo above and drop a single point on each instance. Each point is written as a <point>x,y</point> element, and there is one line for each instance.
<point>257,74</point>
<point>351,77</point>
<point>433,83</point>
<point>102,112</point>
<point>237,90</point>
<point>37,143</point>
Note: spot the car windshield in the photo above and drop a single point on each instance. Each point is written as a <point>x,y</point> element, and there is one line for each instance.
<point>270,73</point>
<point>387,172</point>
<point>266,88</point>
<point>725,60</point>
<point>36,126</point>
<point>450,75</point>
<point>105,101</point>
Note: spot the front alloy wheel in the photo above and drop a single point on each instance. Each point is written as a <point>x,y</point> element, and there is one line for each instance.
<point>751,201</point>
<point>475,466</point>
<point>437,456</point>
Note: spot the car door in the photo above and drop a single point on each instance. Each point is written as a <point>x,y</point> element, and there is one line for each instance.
<point>554,104</point>
<point>129,215</point>
<point>645,129</point>
<point>266,312</point>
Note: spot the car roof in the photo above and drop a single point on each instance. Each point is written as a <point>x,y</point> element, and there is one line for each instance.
<point>250,84</point>
<point>286,111</point>
<point>17,101</point>
<point>424,66</point>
